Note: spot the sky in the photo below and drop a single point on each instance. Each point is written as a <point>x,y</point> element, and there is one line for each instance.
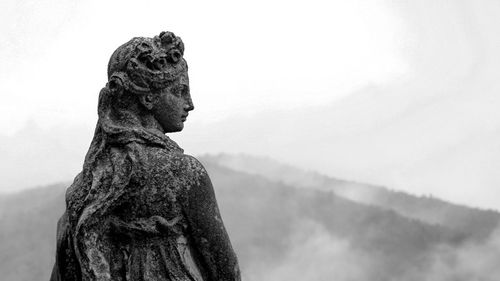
<point>300,52</point>
<point>396,93</point>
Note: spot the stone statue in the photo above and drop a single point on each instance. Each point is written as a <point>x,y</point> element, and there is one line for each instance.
<point>141,209</point>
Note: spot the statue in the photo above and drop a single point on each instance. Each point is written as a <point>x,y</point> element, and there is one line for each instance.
<point>141,209</point>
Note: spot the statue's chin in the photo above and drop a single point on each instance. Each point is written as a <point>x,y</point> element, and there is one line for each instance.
<point>174,129</point>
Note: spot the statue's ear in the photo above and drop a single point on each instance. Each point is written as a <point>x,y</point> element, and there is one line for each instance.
<point>115,85</point>
<point>147,101</point>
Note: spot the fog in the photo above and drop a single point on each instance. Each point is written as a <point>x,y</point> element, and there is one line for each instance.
<point>477,261</point>
<point>320,256</point>
<point>399,94</point>
<point>382,114</point>
<point>290,224</point>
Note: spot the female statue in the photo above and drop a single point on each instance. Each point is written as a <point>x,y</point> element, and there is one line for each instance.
<point>141,209</point>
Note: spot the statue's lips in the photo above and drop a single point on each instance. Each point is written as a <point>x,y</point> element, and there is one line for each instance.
<point>183,117</point>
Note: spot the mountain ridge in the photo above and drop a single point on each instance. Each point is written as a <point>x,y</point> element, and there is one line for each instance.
<point>280,232</point>
<point>424,208</point>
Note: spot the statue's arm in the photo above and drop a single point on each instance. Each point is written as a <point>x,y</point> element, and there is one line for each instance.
<point>208,231</point>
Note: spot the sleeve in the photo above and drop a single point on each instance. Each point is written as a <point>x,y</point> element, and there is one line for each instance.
<point>208,231</point>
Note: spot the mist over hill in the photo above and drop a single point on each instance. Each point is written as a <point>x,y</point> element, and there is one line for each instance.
<point>293,225</point>
<point>37,157</point>
<point>475,222</point>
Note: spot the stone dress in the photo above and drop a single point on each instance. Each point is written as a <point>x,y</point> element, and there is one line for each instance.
<point>141,210</point>
<point>150,226</point>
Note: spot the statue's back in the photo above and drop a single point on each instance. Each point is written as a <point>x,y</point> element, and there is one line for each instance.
<point>141,209</point>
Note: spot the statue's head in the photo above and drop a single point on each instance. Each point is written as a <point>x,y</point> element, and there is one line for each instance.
<point>150,75</point>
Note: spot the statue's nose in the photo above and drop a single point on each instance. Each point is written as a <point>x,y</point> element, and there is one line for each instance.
<point>188,106</point>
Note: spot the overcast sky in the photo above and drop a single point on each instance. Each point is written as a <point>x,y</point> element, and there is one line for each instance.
<point>398,93</point>
<point>55,53</point>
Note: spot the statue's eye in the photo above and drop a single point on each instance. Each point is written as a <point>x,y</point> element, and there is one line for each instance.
<point>181,91</point>
<point>177,91</point>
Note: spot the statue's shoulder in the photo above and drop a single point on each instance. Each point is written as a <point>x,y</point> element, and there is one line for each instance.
<point>173,164</point>
<point>190,167</point>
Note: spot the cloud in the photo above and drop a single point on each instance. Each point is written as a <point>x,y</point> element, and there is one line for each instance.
<point>317,255</point>
<point>474,261</point>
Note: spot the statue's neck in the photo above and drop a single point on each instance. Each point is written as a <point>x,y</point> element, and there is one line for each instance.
<point>151,124</point>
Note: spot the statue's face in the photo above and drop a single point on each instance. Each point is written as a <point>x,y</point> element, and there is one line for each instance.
<point>172,107</point>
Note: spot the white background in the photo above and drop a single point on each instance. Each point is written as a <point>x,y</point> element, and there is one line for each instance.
<point>403,94</point>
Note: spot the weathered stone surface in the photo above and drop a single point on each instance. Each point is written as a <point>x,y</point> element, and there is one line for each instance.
<point>141,209</point>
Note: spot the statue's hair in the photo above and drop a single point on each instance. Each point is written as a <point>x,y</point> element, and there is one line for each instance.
<point>141,66</point>
<point>144,65</point>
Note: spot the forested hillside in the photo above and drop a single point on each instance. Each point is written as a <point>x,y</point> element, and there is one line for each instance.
<point>283,230</point>
<point>472,221</point>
